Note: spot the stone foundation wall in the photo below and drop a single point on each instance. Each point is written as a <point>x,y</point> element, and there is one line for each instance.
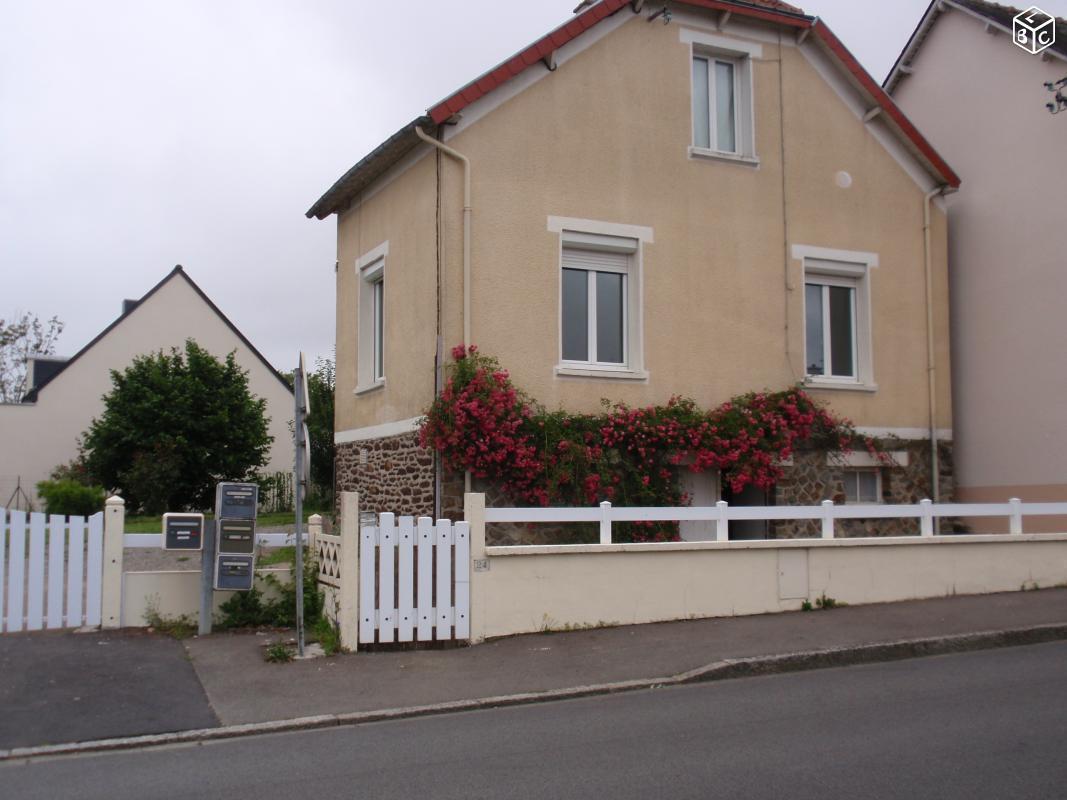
<point>811,480</point>
<point>391,474</point>
<point>395,474</point>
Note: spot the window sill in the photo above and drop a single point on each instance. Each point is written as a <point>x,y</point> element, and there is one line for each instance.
<point>370,387</point>
<point>716,155</point>
<point>817,383</point>
<point>602,372</point>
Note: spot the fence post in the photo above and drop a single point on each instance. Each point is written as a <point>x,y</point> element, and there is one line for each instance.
<point>1016,518</point>
<point>926,521</point>
<point>313,530</point>
<point>828,519</point>
<point>348,593</point>
<point>474,514</point>
<point>114,530</point>
<point>605,522</point>
<point>722,524</point>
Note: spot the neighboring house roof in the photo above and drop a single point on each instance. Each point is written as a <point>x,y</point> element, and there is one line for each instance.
<point>993,14</point>
<point>128,307</point>
<point>371,167</point>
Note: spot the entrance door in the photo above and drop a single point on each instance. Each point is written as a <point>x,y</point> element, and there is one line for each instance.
<point>703,490</point>
<point>747,528</point>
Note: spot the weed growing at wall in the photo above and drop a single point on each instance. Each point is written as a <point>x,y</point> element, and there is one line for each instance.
<point>630,456</point>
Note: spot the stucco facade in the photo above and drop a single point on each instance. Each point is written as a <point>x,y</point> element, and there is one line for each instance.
<point>981,100</point>
<point>602,145</point>
<point>36,437</point>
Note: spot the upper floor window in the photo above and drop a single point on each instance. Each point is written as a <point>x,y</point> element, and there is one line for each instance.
<point>370,331</point>
<point>600,304</point>
<point>837,317</point>
<point>715,94</point>
<point>721,81</point>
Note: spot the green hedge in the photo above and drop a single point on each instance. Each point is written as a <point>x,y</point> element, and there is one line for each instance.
<point>68,497</point>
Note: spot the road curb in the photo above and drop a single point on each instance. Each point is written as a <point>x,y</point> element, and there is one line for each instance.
<point>717,670</point>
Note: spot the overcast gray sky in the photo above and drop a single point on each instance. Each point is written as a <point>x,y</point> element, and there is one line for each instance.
<point>139,135</point>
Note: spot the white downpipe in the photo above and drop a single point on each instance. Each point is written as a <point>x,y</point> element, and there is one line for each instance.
<point>931,363</point>
<point>466,243</point>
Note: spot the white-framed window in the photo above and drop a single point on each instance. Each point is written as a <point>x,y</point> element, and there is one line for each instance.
<point>862,485</point>
<point>370,331</point>
<point>716,88</point>
<point>837,317</point>
<point>594,307</point>
<point>721,91</point>
<point>600,307</point>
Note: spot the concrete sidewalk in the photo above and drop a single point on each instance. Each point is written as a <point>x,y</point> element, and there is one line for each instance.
<point>130,683</point>
<point>243,688</point>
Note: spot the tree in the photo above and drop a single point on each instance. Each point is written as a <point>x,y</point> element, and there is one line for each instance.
<point>175,425</point>
<point>21,338</point>
<point>320,423</point>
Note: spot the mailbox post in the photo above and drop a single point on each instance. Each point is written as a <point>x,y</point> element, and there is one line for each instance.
<point>229,551</point>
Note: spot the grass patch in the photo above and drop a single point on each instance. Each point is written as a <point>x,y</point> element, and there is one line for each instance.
<point>277,555</point>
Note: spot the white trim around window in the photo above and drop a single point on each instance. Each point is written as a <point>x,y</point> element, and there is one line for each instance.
<point>720,85</point>
<point>370,356</point>
<point>600,322</point>
<point>836,298</point>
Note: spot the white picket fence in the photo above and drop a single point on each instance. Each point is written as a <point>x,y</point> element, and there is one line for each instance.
<point>414,580</point>
<point>51,571</point>
<point>827,513</point>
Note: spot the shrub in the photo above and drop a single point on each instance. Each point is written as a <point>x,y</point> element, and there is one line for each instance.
<point>68,497</point>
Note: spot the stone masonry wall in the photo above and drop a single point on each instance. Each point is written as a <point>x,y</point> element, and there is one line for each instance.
<point>811,480</point>
<point>391,474</point>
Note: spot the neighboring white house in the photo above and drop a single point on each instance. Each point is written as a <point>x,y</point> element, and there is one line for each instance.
<point>984,104</point>
<point>65,394</point>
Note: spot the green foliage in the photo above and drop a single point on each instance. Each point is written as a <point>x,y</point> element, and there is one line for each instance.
<point>179,627</point>
<point>327,635</point>
<point>68,497</point>
<point>826,603</point>
<point>279,653</point>
<point>321,385</point>
<point>252,609</point>
<point>21,338</point>
<point>173,427</point>
<point>806,606</point>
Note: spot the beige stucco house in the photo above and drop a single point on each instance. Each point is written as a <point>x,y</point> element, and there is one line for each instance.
<point>65,394</point>
<point>983,102</point>
<point>629,209</point>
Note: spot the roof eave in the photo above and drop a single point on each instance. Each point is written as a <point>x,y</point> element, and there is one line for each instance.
<point>368,169</point>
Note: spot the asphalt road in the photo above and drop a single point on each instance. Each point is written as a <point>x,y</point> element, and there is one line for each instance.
<point>990,724</point>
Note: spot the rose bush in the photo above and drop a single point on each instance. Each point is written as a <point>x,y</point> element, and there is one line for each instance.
<point>631,456</point>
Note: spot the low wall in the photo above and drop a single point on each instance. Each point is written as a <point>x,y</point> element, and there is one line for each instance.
<point>176,594</point>
<point>532,588</point>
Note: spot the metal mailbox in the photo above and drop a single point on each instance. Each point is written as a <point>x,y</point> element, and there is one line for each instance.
<point>236,500</point>
<point>234,572</point>
<point>236,536</point>
<point>183,531</point>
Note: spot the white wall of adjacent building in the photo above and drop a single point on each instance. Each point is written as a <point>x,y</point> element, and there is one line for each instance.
<point>981,102</point>
<point>36,437</point>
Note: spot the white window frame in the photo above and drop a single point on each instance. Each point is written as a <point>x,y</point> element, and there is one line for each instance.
<point>595,236</point>
<point>739,53</point>
<point>852,269</point>
<point>370,355</point>
<point>878,498</point>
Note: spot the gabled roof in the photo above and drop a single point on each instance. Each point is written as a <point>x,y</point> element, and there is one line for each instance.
<point>403,141</point>
<point>995,15</point>
<point>130,307</point>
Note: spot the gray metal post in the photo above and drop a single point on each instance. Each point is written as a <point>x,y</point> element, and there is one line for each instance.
<point>207,576</point>
<point>298,490</point>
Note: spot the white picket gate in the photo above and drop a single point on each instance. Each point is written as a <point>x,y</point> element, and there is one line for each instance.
<point>414,580</point>
<point>60,589</point>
